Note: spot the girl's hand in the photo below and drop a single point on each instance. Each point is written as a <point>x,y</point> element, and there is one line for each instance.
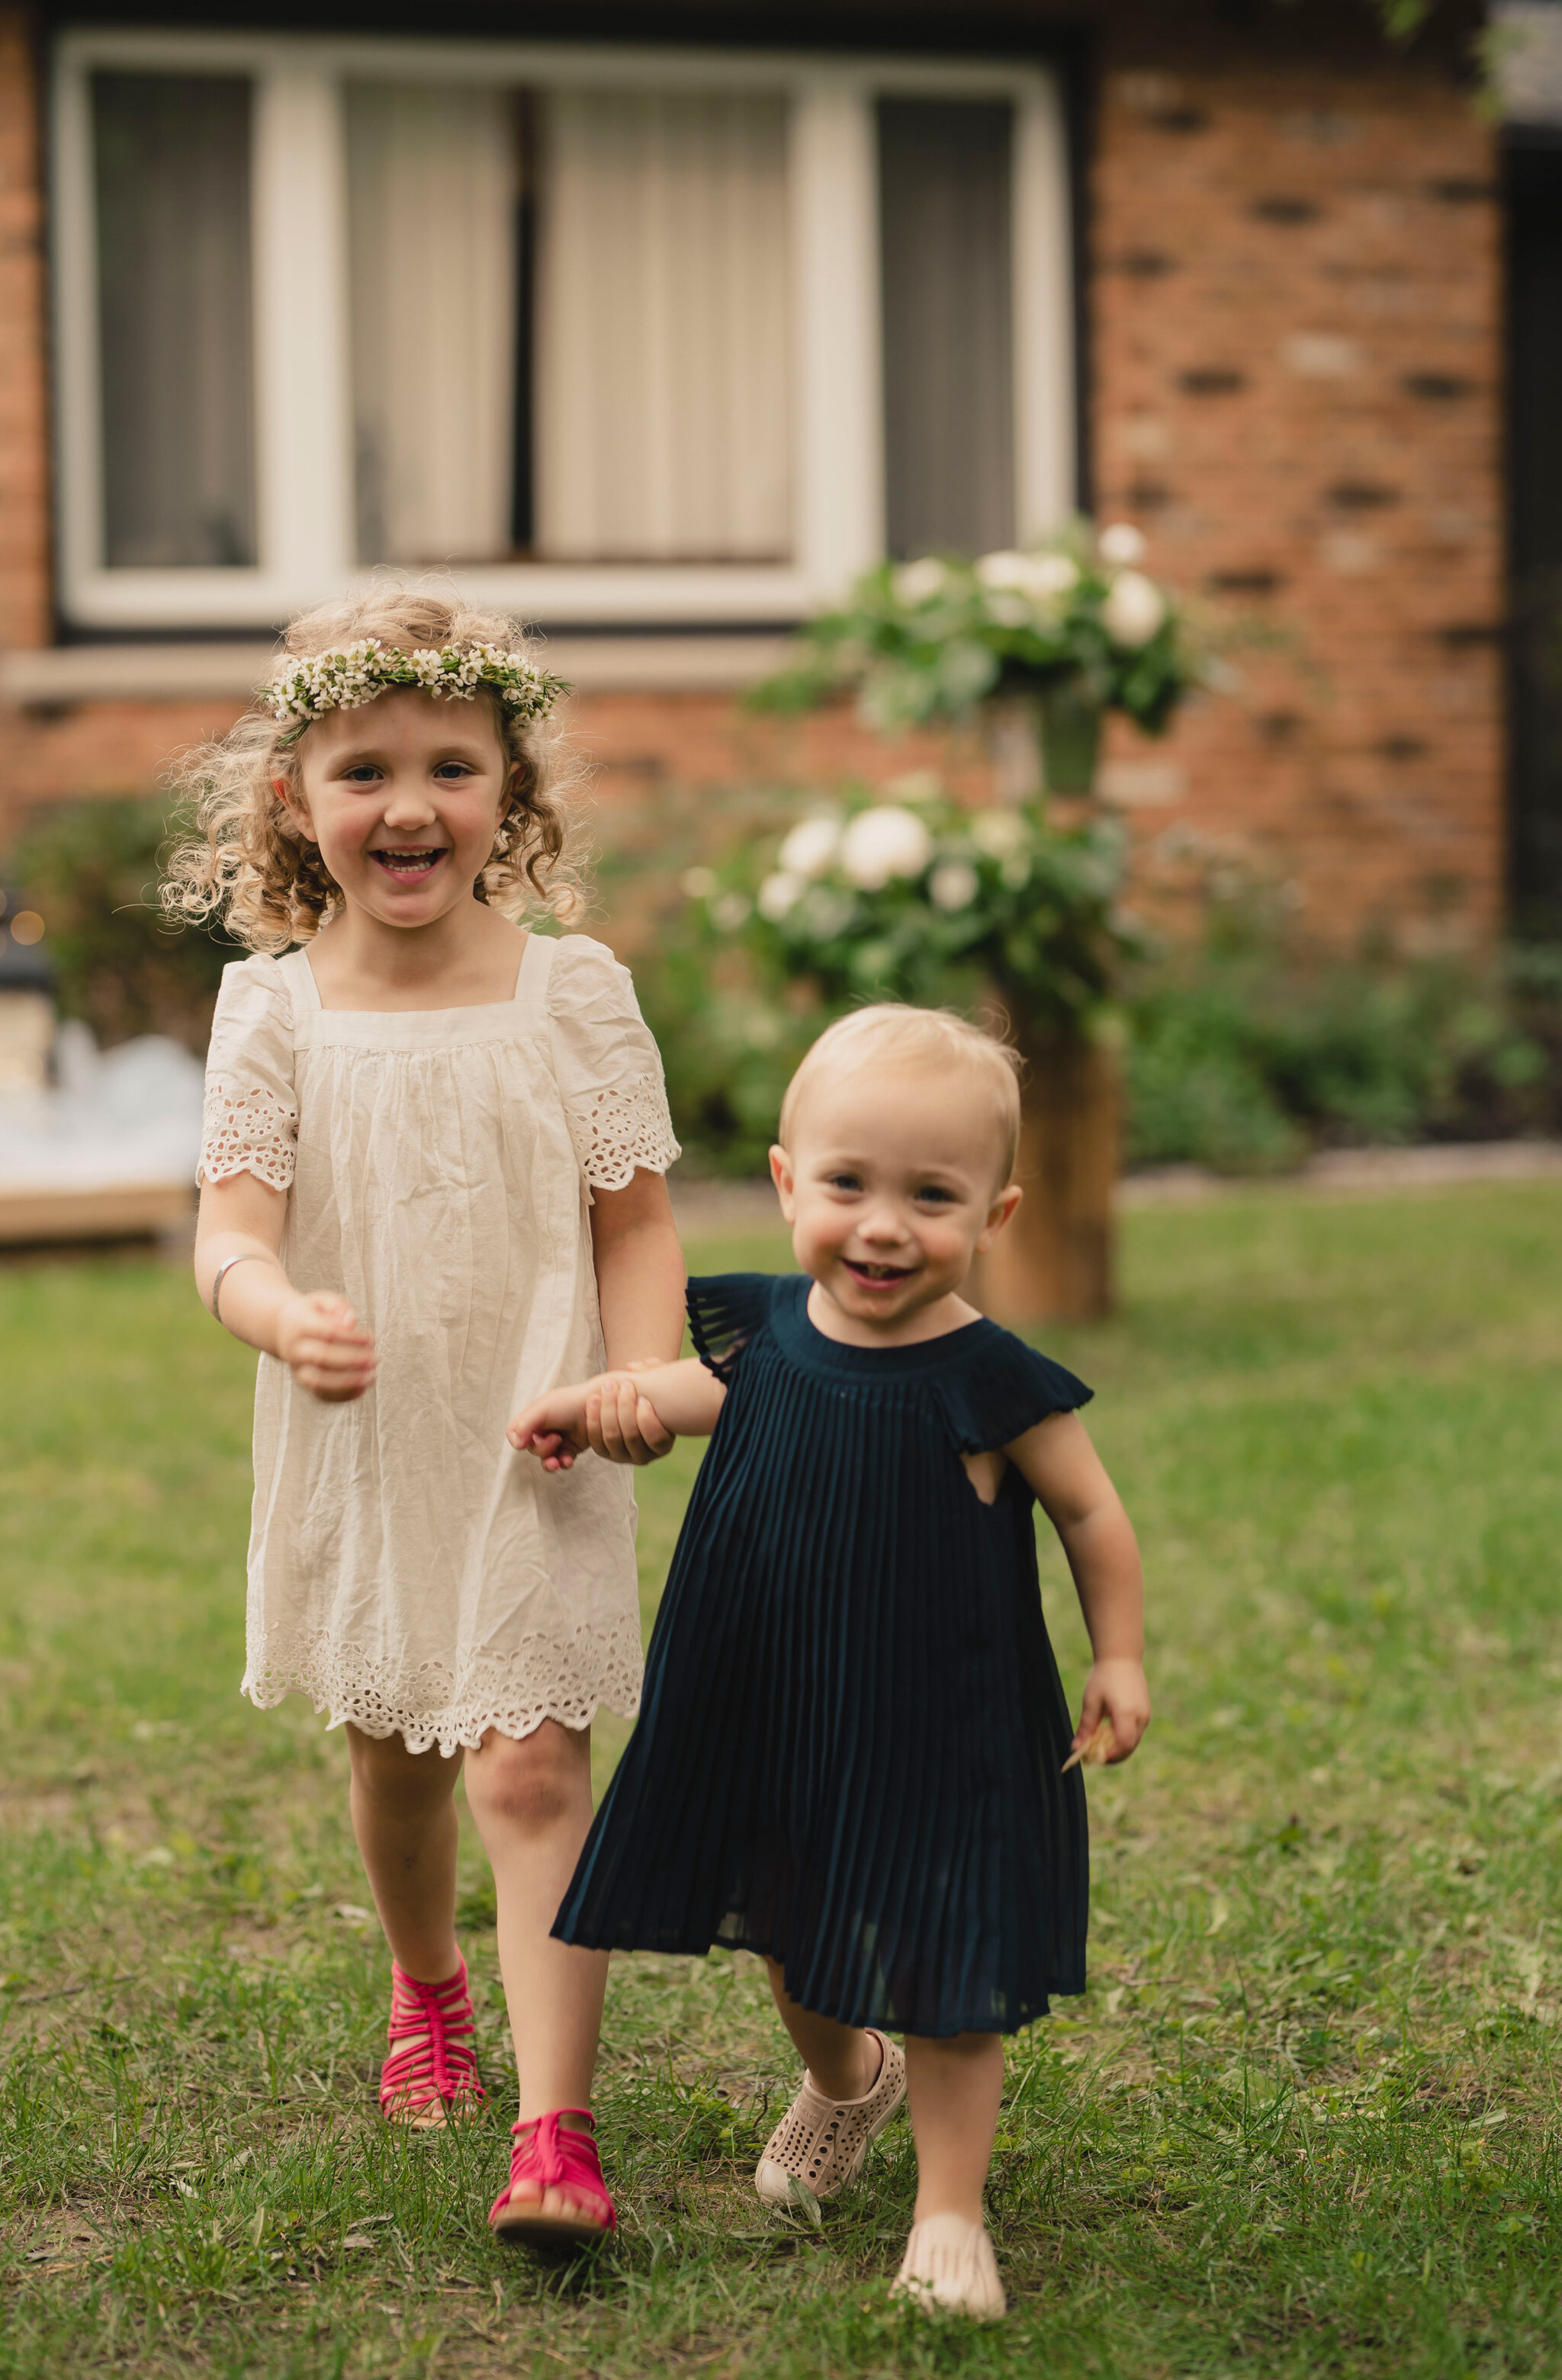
<point>607,1416</point>
<point>1117,1690</point>
<point>325,1347</point>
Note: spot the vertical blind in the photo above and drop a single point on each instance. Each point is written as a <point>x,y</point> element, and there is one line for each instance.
<point>432,200</point>
<point>945,200</point>
<point>663,339</point>
<point>175,340</point>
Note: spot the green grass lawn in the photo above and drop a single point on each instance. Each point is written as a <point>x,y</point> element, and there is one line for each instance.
<point>1305,2121</point>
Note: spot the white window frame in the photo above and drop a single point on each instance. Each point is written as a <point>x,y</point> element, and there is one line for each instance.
<point>304,478</point>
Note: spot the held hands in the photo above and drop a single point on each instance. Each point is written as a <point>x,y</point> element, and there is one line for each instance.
<point>607,1416</point>
<point>1116,1690</point>
<point>325,1345</point>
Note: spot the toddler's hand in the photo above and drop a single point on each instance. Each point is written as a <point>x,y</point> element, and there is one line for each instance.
<point>325,1347</point>
<point>606,1417</point>
<point>1117,1690</point>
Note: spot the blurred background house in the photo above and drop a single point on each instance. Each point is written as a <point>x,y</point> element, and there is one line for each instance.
<point>656,323</point>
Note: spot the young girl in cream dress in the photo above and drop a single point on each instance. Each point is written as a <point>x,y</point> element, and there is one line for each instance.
<point>431,1188</point>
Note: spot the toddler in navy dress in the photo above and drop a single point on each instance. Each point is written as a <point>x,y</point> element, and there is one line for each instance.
<point>853,1753</point>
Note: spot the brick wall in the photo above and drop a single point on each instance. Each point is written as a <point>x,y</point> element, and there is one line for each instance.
<point>24,503</point>
<point>1293,299</point>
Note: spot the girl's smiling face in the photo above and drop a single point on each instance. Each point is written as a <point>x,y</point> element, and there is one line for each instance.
<point>403,797</point>
<point>892,1187</point>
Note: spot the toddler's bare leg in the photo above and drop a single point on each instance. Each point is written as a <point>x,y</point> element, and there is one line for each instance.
<point>404,1815</point>
<point>954,2087</point>
<point>531,1800</point>
<point>842,2059</point>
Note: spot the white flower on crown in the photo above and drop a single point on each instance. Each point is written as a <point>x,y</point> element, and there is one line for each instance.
<point>810,847</point>
<point>883,842</point>
<point>1122,545</point>
<point>1133,611</point>
<point>954,884</point>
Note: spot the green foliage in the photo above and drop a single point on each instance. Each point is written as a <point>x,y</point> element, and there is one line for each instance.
<point>932,638</point>
<point>1243,1061</point>
<point>1304,2120</point>
<point>90,869</point>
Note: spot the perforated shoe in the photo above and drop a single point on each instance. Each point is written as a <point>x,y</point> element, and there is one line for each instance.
<point>821,2142</point>
<point>949,2267</point>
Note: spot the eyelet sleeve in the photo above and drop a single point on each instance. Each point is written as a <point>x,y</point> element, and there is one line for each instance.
<point>251,1124</point>
<point>608,1067</point>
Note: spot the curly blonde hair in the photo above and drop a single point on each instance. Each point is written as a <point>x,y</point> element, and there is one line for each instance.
<point>247,862</point>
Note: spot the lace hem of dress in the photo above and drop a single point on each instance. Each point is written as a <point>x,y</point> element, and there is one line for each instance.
<point>619,1129</point>
<point>247,1132</point>
<point>435,1703</point>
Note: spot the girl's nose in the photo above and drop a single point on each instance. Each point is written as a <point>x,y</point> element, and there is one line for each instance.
<point>408,805</point>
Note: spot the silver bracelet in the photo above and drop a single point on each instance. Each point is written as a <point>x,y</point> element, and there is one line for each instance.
<point>250,1255</point>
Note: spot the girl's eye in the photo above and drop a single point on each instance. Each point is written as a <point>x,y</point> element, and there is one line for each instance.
<point>364,773</point>
<point>455,768</point>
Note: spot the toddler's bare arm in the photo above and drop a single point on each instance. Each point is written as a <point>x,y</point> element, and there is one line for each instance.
<point>618,1410</point>
<point>1073,1489</point>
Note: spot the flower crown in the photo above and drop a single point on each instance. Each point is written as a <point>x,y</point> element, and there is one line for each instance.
<point>315,683</point>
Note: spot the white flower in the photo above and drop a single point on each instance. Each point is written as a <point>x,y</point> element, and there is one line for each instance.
<point>997,832</point>
<point>883,842</point>
<point>1133,610</point>
<point>778,895</point>
<point>699,882</point>
<point>919,582</point>
<point>1038,578</point>
<point>1122,545</point>
<point>1016,872</point>
<point>810,847</point>
<point>732,910</point>
<point>1004,569</point>
<point>954,884</point>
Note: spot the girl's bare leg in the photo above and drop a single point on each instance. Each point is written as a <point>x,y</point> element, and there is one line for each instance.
<point>842,2059</point>
<point>954,2088</point>
<point>404,1817</point>
<point>532,1802</point>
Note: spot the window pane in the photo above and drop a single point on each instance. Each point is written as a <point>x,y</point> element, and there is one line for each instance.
<point>662,337</point>
<point>432,191</point>
<point>173,218</point>
<point>944,197</point>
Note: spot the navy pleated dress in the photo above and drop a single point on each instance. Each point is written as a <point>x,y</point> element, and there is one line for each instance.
<point>850,1745</point>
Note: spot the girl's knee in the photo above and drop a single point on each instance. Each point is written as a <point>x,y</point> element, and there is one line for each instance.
<point>534,1782</point>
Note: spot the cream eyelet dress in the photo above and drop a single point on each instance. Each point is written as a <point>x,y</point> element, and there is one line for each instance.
<point>407,1571</point>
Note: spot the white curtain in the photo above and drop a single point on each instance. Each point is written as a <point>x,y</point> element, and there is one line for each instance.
<point>663,345</point>
<point>432,189</point>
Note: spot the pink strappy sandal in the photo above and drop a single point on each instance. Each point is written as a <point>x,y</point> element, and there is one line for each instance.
<point>433,2076</point>
<point>554,2158</point>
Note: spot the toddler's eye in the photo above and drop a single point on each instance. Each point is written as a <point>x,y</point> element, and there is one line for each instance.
<point>933,1194</point>
<point>845,1182</point>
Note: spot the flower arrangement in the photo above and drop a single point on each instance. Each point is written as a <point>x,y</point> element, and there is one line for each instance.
<point>1076,618</point>
<point>913,897</point>
<point>313,684</point>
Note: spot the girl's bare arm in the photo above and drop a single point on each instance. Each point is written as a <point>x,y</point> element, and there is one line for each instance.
<point>639,1272</point>
<point>315,1332</point>
<point>1073,1489</point>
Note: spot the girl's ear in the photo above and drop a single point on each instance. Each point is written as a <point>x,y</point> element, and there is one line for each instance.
<point>781,1174</point>
<point>998,1214</point>
<point>294,809</point>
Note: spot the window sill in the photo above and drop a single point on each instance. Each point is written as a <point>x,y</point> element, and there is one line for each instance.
<point>56,676</point>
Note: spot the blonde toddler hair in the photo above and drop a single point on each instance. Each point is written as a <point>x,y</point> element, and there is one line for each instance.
<point>248,863</point>
<point>892,1034</point>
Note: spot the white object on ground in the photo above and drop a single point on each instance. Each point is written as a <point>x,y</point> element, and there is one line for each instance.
<point>118,1119</point>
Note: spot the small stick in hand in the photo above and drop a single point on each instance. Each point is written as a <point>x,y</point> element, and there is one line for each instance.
<point>1096,1750</point>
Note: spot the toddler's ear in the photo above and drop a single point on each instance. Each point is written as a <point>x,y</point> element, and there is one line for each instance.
<point>781,1174</point>
<point>998,1214</point>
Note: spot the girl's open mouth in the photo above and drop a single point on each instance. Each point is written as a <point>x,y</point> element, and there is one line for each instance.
<point>408,866</point>
<point>877,1276</point>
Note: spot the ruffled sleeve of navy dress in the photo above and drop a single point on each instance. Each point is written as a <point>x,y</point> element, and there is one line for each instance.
<point>850,1748</point>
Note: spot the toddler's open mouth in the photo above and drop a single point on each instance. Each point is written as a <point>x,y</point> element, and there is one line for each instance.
<point>877,1276</point>
<point>408,865</point>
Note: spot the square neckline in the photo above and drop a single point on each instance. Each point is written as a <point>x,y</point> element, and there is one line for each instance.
<point>305,973</point>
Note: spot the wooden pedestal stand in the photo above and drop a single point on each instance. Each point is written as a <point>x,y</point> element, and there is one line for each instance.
<point>1052,1262</point>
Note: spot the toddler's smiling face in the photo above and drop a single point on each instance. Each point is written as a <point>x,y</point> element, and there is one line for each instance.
<point>403,797</point>
<point>893,1184</point>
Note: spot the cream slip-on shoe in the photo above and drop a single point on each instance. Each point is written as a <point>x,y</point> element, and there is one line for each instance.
<point>949,2264</point>
<point>821,2142</point>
